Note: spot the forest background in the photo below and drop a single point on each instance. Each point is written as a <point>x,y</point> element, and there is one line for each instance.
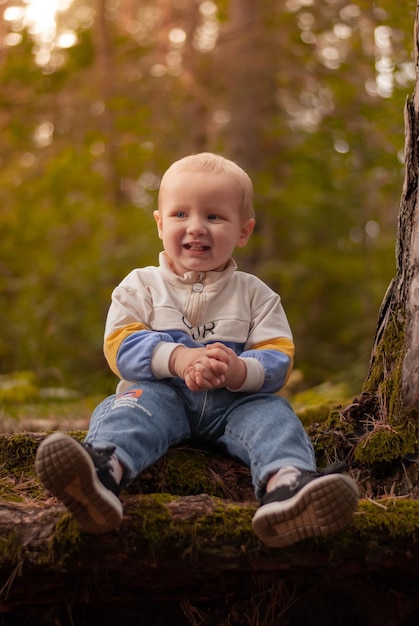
<point>98,97</point>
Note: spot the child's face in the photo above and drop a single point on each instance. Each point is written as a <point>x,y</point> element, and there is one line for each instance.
<point>199,221</point>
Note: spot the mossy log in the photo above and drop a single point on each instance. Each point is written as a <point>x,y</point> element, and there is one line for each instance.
<point>185,554</point>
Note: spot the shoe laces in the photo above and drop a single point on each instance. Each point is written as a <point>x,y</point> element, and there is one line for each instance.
<point>307,476</point>
<point>101,458</point>
<point>284,492</point>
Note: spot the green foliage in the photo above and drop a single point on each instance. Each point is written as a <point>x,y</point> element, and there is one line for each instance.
<point>18,387</point>
<point>315,404</point>
<point>320,142</point>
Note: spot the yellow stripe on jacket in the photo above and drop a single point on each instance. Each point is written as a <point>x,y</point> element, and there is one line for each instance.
<point>282,344</point>
<point>114,340</point>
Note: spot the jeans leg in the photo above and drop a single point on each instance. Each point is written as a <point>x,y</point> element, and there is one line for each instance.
<point>263,432</point>
<point>143,423</point>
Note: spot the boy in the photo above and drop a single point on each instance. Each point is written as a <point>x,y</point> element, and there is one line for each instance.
<point>201,350</point>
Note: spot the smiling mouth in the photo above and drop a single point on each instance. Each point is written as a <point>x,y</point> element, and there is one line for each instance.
<point>196,247</point>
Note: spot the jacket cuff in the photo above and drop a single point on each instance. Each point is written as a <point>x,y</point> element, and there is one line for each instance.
<point>255,376</point>
<point>161,357</point>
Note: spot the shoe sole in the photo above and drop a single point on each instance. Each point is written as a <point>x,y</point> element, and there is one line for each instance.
<point>323,506</point>
<point>66,470</point>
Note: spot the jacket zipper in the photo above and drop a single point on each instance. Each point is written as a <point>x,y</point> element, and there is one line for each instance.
<point>195,300</point>
<point>198,287</point>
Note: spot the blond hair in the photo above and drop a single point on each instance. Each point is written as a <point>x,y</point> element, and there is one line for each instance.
<point>207,162</point>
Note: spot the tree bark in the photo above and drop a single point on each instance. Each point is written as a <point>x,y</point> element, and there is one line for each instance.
<point>394,366</point>
<point>410,370</point>
<point>199,551</point>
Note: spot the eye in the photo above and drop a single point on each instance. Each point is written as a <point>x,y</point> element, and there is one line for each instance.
<point>180,214</point>
<point>213,217</point>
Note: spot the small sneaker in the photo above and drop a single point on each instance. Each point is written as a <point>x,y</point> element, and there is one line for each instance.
<point>315,504</point>
<point>80,476</point>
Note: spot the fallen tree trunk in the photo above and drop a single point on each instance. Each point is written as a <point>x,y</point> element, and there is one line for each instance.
<point>201,551</point>
<point>193,559</point>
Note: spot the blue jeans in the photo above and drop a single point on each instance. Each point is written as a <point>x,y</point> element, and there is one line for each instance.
<point>261,430</point>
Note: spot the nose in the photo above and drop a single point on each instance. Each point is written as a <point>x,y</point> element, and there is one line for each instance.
<point>196,225</point>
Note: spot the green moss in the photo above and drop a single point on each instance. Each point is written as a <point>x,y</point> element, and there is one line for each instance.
<point>66,539</point>
<point>18,480</point>
<point>152,522</point>
<point>186,472</point>
<point>11,550</point>
<point>17,453</point>
<point>384,379</point>
<point>331,438</point>
<point>336,422</point>
<point>392,430</point>
<point>390,516</point>
<point>80,435</point>
<point>380,522</point>
<point>383,445</point>
<point>225,531</point>
<point>227,526</point>
<point>316,414</point>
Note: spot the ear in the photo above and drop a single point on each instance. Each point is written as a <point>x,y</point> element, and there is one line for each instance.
<point>159,222</point>
<point>245,232</point>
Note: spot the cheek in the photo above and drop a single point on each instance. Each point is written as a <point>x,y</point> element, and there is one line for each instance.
<point>169,235</point>
<point>228,240</point>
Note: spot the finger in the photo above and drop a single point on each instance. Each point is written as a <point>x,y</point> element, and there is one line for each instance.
<point>218,367</point>
<point>205,378</point>
<point>191,384</point>
<point>217,353</point>
<point>218,345</point>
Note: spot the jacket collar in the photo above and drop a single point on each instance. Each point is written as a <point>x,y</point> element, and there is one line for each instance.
<point>192,277</point>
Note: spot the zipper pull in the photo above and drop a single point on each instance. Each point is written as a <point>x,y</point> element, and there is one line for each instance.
<point>199,286</point>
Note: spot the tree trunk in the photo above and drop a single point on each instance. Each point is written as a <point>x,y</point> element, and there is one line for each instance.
<point>393,375</point>
<point>105,69</point>
<point>251,94</point>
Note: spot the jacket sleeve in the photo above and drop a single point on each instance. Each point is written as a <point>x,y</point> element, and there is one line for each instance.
<point>269,351</point>
<point>134,351</point>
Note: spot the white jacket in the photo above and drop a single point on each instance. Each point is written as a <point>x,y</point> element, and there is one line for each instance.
<point>153,310</point>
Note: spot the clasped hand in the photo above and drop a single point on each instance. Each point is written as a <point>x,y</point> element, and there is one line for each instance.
<point>210,367</point>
